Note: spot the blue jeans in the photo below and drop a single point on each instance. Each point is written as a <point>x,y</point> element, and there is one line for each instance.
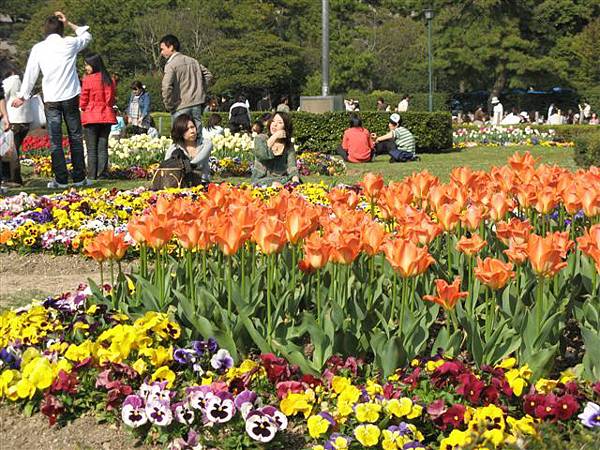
<point>55,112</point>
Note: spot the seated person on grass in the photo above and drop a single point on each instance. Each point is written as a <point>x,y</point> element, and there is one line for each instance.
<point>274,154</point>
<point>357,145</point>
<point>399,143</point>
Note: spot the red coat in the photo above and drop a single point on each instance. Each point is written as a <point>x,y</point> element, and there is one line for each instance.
<point>97,100</point>
<point>358,143</point>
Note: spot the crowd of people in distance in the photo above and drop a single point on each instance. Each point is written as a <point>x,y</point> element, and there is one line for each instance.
<point>553,116</point>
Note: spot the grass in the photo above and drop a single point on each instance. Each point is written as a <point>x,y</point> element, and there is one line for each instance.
<point>441,164</point>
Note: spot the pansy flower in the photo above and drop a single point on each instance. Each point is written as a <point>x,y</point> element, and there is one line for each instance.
<point>159,413</point>
<point>590,417</point>
<point>280,419</point>
<point>183,413</point>
<point>221,360</point>
<point>219,407</point>
<point>197,396</point>
<point>133,412</point>
<point>261,427</point>
<point>244,402</point>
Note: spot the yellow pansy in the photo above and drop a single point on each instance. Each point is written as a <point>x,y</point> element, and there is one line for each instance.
<point>79,352</point>
<point>140,366</point>
<point>457,439</point>
<point>164,374</point>
<point>432,365</point>
<point>339,384</point>
<point>373,388</point>
<point>295,403</point>
<point>415,412</point>
<point>367,435</point>
<point>399,407</point>
<point>317,425</point>
<point>367,412</point>
<point>517,379</point>
<point>524,425</point>
<point>545,386</point>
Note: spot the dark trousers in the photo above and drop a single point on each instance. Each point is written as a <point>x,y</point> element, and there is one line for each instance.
<point>20,131</point>
<point>385,147</point>
<point>344,154</point>
<point>96,139</point>
<point>55,113</point>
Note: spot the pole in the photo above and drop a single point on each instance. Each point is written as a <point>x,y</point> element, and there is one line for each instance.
<point>325,48</point>
<point>430,65</point>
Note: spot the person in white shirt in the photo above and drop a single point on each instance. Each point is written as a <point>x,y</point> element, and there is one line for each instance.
<point>498,111</point>
<point>556,118</point>
<point>20,118</point>
<point>56,58</point>
<point>512,118</point>
<point>403,105</point>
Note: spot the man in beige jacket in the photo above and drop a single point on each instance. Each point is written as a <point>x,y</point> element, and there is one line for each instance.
<point>184,83</point>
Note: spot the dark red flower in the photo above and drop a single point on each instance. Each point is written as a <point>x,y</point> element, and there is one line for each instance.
<point>65,382</point>
<point>453,417</point>
<point>490,395</point>
<point>565,407</point>
<point>436,408</point>
<point>311,381</point>
<point>284,387</point>
<point>277,368</point>
<point>531,403</point>
<point>51,407</point>
<point>470,387</point>
<point>447,373</point>
<point>413,378</point>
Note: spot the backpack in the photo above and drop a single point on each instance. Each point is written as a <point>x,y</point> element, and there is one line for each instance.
<point>239,119</point>
<point>173,172</point>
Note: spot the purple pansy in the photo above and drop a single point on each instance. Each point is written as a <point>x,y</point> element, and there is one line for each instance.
<point>191,443</point>
<point>219,407</point>
<point>183,413</point>
<point>244,402</point>
<point>159,413</point>
<point>278,417</point>
<point>261,427</point>
<point>221,360</point>
<point>590,417</point>
<point>197,396</point>
<point>133,412</point>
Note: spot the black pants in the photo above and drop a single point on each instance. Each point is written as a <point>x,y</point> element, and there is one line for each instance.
<point>55,113</point>
<point>96,139</point>
<point>344,154</point>
<point>385,147</point>
<point>20,131</point>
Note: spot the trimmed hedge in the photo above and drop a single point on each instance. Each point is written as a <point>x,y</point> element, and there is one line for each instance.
<point>587,149</point>
<point>323,132</point>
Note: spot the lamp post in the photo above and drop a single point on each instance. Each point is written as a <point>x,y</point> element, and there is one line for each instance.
<point>325,48</point>
<point>429,16</point>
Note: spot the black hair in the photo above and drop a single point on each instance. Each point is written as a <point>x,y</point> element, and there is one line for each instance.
<point>355,121</point>
<point>241,98</point>
<point>137,84</point>
<point>287,126</point>
<point>94,60</point>
<point>170,41</point>
<point>380,99</point>
<point>54,26</point>
<point>179,127</point>
<point>213,121</point>
<point>265,117</point>
<point>258,126</point>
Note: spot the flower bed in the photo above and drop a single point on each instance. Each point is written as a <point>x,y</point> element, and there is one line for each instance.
<point>71,355</point>
<point>505,136</point>
<point>138,157</point>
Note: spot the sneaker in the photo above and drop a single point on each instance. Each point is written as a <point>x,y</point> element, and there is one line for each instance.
<point>84,182</point>
<point>56,185</point>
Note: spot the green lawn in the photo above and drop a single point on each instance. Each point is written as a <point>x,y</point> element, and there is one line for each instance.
<point>478,158</point>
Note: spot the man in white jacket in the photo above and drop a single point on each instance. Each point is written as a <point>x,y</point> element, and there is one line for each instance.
<point>56,58</point>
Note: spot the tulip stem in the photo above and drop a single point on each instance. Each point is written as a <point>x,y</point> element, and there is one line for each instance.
<point>269,293</point>
<point>243,270</point>
<point>229,269</point>
<point>319,318</point>
<point>370,283</point>
<point>190,275</point>
<point>448,241</point>
<point>403,304</point>
<point>102,277</point>
<point>144,261</point>
<point>539,302</point>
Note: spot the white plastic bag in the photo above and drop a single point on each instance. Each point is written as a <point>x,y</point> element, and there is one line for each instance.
<point>36,106</point>
<point>7,142</point>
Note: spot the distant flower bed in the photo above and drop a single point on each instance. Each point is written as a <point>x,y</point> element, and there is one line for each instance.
<point>505,136</point>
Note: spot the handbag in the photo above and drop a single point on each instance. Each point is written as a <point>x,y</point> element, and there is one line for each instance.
<point>173,172</point>
<point>38,114</point>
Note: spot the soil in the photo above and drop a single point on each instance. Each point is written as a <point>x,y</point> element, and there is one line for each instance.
<point>85,433</point>
<point>27,277</point>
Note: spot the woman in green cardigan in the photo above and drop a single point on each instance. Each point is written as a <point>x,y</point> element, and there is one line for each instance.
<point>274,155</point>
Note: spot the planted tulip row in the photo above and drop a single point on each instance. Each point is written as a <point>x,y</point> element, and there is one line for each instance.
<point>506,257</point>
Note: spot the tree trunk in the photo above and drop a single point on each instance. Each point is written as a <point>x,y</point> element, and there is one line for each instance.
<point>500,81</point>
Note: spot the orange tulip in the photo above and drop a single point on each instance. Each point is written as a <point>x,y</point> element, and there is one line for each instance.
<point>107,245</point>
<point>571,200</point>
<point>372,185</point>
<point>420,184</point>
<point>472,217</point>
<point>544,255</point>
<point>191,234</point>
<point>269,235</point>
<point>372,236</point>
<point>448,216</point>
<point>345,247</point>
<point>526,195</point>
<point>590,202</point>
<point>499,205</point>
<point>299,223</point>
<point>516,253</point>
<point>470,246</point>
<point>229,236</point>
<point>462,176</point>
<point>562,242</point>
<point>316,251</point>
<point>515,230</point>
<point>406,258</point>
<point>493,272</point>
<point>94,250</point>
<point>546,200</point>
<point>448,294</point>
<point>394,199</point>
<point>158,231</point>
<point>590,239</point>
<point>518,162</point>
<point>137,228</point>
<point>438,196</point>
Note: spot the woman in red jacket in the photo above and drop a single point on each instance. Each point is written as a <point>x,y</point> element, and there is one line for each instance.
<point>97,114</point>
<point>357,144</point>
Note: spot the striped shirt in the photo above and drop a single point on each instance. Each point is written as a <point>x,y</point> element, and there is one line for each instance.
<point>404,139</point>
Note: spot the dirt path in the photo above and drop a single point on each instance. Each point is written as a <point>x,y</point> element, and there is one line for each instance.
<point>25,277</point>
<point>18,432</point>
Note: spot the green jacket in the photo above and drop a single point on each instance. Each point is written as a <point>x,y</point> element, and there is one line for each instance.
<point>269,168</point>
